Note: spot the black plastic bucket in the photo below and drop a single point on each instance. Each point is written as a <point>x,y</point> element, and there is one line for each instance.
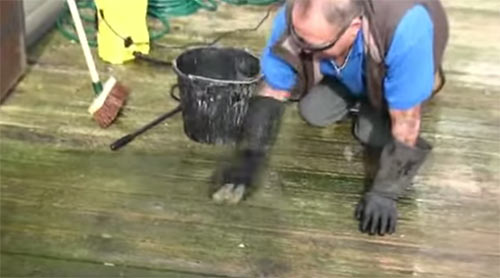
<point>215,86</point>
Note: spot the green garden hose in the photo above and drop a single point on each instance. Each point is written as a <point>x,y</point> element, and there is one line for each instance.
<point>159,10</point>
<point>167,8</point>
<point>64,20</point>
<point>251,2</point>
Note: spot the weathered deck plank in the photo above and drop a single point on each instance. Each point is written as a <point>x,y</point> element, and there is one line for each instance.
<point>20,265</point>
<point>70,207</point>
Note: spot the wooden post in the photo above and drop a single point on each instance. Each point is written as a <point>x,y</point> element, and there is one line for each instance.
<point>12,46</point>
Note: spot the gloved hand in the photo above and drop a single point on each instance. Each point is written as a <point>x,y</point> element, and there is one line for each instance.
<point>399,164</point>
<point>377,214</point>
<point>259,131</point>
<point>238,176</point>
<point>243,168</point>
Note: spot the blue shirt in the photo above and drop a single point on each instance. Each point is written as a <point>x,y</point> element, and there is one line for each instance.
<point>409,61</point>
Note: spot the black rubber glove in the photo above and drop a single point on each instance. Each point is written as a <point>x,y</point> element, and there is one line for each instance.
<point>259,131</point>
<point>244,168</point>
<point>377,214</point>
<point>399,163</point>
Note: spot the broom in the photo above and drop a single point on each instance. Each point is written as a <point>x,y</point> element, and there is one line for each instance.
<point>112,96</point>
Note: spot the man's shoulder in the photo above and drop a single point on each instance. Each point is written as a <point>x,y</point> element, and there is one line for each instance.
<point>280,19</point>
<point>417,17</point>
<point>414,27</point>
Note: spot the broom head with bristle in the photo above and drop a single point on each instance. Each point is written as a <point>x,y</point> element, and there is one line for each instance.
<point>107,105</point>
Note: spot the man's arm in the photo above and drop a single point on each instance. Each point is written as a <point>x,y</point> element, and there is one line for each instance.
<point>406,124</point>
<point>408,83</point>
<point>268,91</point>
<point>259,132</point>
<point>410,76</point>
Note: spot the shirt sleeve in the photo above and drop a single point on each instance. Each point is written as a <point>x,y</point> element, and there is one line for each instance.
<point>277,73</point>
<point>410,61</point>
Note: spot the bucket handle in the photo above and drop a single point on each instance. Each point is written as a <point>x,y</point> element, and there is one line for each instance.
<point>172,90</point>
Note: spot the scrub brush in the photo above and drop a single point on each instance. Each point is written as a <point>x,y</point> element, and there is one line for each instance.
<point>112,96</point>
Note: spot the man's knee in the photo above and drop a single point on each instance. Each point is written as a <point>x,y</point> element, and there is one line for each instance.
<point>325,104</point>
<point>310,114</point>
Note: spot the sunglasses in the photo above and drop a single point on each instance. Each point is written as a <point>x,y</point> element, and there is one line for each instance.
<point>308,47</point>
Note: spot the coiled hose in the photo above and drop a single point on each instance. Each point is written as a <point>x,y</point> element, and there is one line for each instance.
<point>88,14</point>
<point>159,10</point>
<point>251,2</point>
<point>165,8</point>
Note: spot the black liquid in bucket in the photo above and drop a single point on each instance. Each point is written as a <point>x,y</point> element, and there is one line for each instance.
<point>215,87</point>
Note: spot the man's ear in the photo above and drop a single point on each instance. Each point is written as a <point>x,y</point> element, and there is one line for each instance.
<point>355,26</point>
<point>357,22</point>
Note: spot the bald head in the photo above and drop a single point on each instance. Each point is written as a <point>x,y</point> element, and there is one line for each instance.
<point>331,23</point>
<point>335,12</point>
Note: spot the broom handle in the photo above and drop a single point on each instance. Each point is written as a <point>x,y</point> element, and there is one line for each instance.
<point>83,41</point>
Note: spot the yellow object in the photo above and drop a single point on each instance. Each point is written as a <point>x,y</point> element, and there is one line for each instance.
<point>121,20</point>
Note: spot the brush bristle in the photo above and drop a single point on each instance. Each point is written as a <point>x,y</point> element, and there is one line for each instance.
<point>108,112</point>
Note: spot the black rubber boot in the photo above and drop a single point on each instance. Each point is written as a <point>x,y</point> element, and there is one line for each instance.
<point>399,163</point>
<point>259,132</point>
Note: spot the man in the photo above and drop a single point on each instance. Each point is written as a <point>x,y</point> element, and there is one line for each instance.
<point>384,55</point>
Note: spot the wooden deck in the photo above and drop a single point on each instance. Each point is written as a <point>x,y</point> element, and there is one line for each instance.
<point>72,208</point>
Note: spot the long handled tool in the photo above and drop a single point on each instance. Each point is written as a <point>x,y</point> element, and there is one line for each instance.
<point>112,96</point>
<point>123,141</point>
<point>131,136</point>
